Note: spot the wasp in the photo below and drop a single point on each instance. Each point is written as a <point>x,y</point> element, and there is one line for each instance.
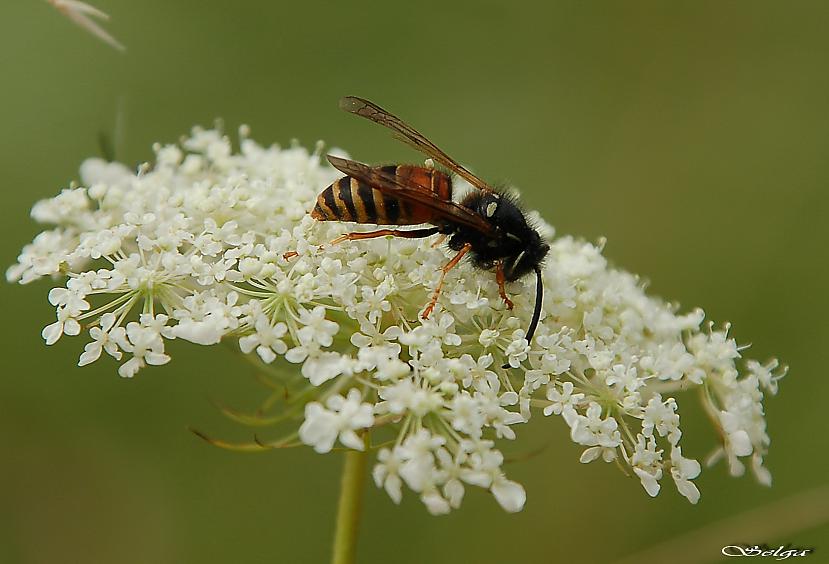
<point>486,224</point>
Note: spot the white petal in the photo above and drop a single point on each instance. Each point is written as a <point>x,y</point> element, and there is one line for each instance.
<point>266,354</point>
<point>320,369</point>
<point>435,503</point>
<point>200,332</point>
<point>91,353</point>
<point>688,489</point>
<point>156,359</point>
<point>590,454</point>
<point>350,439</point>
<point>319,428</point>
<point>511,495</point>
<point>296,355</point>
<point>760,472</point>
<point>71,327</point>
<point>129,368</point>
<point>453,490</point>
<point>393,488</point>
<point>248,343</point>
<point>56,295</point>
<point>649,481</point>
<point>51,333</point>
<point>739,441</point>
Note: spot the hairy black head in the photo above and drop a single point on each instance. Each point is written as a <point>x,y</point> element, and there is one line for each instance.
<point>515,244</point>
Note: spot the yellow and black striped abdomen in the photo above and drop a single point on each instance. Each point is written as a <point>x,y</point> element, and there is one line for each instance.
<point>348,199</point>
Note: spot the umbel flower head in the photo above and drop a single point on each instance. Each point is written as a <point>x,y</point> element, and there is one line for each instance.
<point>192,247</point>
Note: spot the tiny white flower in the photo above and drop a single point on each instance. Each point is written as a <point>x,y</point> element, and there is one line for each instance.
<point>765,373</point>
<point>143,341</point>
<point>369,335</point>
<point>647,464</point>
<point>625,378</point>
<point>488,337</point>
<point>106,338</point>
<point>683,470</point>
<point>738,440</point>
<point>72,301</point>
<point>267,340</point>
<point>319,366</point>
<point>563,402</point>
<point>405,396</point>
<point>518,349</point>
<point>466,415</point>
<point>340,418</point>
<point>66,324</point>
<point>386,473</point>
<point>317,327</point>
<point>435,502</point>
<point>661,416</point>
<point>374,303</point>
<point>593,430</point>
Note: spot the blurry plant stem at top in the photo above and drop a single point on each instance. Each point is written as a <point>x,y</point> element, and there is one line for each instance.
<point>82,13</point>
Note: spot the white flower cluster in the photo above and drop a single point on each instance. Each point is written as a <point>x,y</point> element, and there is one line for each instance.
<point>193,247</point>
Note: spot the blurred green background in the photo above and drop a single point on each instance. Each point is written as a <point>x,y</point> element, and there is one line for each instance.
<point>694,136</point>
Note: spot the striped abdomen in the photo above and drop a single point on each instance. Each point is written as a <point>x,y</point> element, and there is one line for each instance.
<point>350,200</point>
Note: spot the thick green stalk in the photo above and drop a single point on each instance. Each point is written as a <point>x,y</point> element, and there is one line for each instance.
<point>350,507</point>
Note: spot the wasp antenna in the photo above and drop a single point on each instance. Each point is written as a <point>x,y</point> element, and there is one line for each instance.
<point>539,299</point>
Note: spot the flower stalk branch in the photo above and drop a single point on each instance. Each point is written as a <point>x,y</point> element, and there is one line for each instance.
<point>350,505</point>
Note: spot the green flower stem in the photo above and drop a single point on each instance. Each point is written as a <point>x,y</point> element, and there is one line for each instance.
<point>350,506</point>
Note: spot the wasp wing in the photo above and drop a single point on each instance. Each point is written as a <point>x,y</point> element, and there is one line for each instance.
<point>409,135</point>
<point>422,195</point>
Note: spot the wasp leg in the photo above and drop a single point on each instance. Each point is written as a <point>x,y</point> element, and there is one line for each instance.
<point>447,267</point>
<point>499,276</point>
<point>408,234</point>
